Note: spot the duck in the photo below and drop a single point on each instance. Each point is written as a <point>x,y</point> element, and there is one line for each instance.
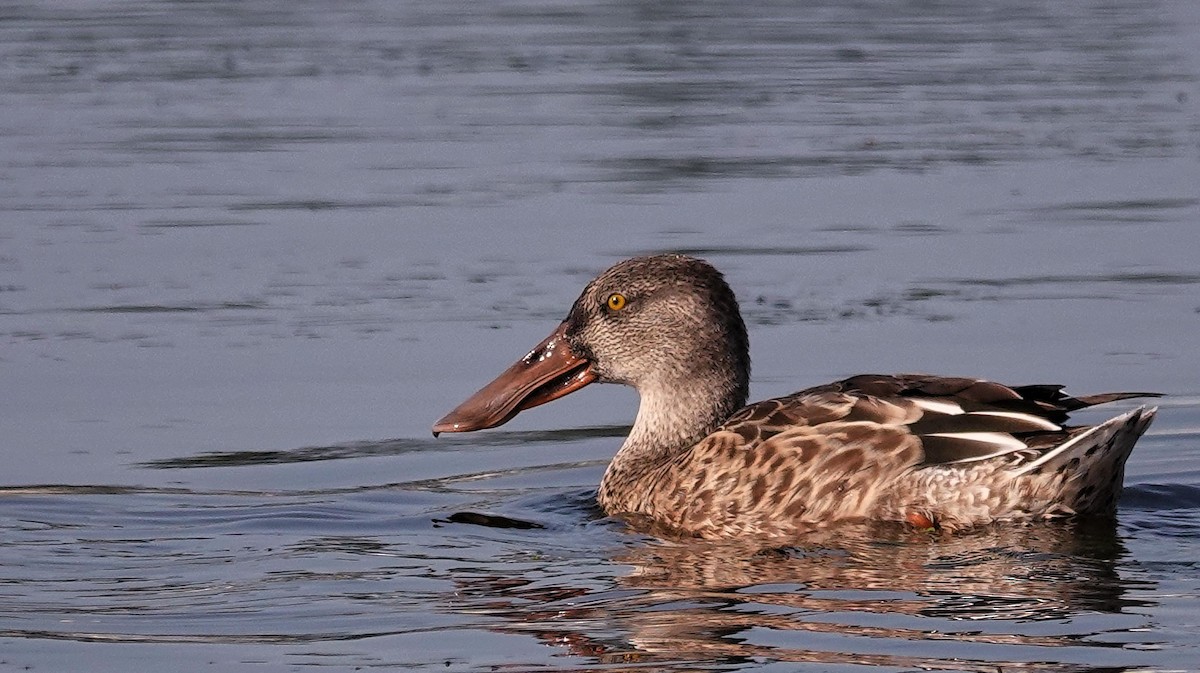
<point>932,452</point>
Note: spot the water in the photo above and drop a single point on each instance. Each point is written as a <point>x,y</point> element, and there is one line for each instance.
<point>250,251</point>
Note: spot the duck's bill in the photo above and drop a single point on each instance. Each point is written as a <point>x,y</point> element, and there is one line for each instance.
<point>547,373</point>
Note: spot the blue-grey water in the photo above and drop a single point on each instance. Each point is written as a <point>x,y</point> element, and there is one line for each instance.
<point>250,251</point>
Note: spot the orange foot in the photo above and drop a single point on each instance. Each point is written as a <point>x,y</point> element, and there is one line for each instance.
<point>921,521</point>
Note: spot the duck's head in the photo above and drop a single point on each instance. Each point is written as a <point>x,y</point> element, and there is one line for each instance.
<point>668,325</point>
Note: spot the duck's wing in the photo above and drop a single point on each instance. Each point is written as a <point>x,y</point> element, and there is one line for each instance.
<point>780,465</point>
<point>956,420</point>
<point>1046,401</point>
<point>835,452</point>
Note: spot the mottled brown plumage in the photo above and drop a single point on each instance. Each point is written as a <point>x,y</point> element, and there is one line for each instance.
<point>927,450</point>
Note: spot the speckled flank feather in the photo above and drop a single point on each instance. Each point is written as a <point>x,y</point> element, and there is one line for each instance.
<point>932,451</point>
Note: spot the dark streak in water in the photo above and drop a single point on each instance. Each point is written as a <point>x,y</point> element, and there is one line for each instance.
<point>490,521</point>
<point>754,251</point>
<point>73,489</point>
<point>1137,204</point>
<point>1130,278</point>
<point>319,205</point>
<point>383,448</point>
<point>171,308</point>
<point>657,173</point>
<point>190,224</point>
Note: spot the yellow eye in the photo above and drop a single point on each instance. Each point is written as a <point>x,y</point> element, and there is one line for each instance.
<point>616,301</point>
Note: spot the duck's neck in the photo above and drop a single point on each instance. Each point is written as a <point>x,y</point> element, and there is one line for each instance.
<point>673,416</point>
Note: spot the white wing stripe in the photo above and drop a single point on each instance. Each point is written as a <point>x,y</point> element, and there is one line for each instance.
<point>1002,441</point>
<point>938,406</point>
<point>1036,420</point>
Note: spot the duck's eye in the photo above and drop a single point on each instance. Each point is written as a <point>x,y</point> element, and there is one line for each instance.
<point>616,301</point>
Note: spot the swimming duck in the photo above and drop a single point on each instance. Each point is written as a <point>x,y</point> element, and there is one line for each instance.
<point>928,451</point>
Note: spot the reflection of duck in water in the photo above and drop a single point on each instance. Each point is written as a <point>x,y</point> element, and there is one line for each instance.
<point>930,450</point>
<point>862,594</point>
<point>1034,571</point>
<point>875,583</point>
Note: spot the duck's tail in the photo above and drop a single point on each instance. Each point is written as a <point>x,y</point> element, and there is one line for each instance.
<point>1091,464</point>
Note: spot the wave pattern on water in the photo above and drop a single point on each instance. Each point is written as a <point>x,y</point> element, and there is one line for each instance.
<point>304,556</point>
<point>230,228</point>
<point>387,564</point>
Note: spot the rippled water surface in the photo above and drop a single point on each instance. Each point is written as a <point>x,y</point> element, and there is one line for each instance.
<point>250,251</point>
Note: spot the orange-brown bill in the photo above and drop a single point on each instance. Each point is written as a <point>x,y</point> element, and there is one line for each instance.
<point>547,373</point>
